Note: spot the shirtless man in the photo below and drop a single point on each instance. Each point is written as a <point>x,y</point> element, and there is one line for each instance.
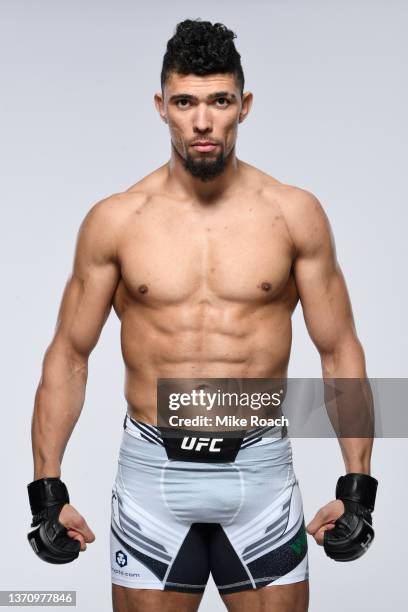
<point>204,261</point>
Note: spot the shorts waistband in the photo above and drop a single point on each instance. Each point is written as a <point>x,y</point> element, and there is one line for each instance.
<point>250,437</point>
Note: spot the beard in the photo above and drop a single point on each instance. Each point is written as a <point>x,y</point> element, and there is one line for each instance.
<point>205,169</point>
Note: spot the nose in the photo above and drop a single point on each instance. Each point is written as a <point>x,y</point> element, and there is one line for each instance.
<point>202,119</point>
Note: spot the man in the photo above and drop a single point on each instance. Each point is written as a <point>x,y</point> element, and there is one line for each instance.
<point>204,261</point>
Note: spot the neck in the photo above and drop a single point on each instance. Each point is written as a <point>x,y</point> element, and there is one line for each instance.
<point>180,179</point>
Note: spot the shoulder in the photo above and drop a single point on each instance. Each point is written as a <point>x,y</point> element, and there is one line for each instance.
<point>305,218</point>
<point>290,199</point>
<point>109,216</point>
<point>115,207</point>
<point>110,213</point>
<point>100,230</point>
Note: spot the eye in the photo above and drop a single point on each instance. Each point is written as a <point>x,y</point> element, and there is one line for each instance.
<point>183,103</point>
<point>223,102</point>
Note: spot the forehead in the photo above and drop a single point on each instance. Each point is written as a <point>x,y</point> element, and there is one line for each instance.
<point>199,85</point>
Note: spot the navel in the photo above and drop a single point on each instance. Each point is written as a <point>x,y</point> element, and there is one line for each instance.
<point>143,289</point>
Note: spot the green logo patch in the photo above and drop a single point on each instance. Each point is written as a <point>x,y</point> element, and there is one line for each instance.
<point>299,544</point>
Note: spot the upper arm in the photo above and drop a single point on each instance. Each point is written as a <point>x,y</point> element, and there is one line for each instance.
<point>88,294</point>
<point>319,280</point>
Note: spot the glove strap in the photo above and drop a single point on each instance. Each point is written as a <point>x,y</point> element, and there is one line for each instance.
<point>45,493</point>
<point>359,488</point>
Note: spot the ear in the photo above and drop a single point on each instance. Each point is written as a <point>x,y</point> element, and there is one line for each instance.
<point>247,99</point>
<point>159,104</point>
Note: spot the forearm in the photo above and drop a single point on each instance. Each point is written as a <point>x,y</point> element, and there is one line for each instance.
<point>58,404</point>
<point>357,454</point>
<point>351,411</point>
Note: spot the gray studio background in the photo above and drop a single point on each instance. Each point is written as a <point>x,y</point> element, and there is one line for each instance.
<point>78,123</point>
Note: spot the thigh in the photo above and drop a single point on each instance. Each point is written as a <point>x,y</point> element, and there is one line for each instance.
<point>264,548</point>
<point>276,598</point>
<point>149,600</point>
<point>152,547</point>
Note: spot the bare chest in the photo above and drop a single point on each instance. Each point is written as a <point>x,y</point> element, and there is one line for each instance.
<point>173,259</point>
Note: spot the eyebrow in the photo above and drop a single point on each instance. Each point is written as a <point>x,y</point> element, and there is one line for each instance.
<point>213,96</point>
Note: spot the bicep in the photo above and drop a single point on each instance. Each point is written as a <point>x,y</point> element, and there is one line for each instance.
<point>320,282</point>
<point>88,294</point>
<point>325,301</point>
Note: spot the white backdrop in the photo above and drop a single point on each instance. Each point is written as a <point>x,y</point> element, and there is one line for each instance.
<point>78,123</point>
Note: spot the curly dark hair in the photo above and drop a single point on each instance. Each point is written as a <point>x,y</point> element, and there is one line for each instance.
<point>201,48</point>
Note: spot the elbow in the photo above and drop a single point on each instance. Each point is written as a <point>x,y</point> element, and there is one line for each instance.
<point>345,359</point>
<point>63,363</point>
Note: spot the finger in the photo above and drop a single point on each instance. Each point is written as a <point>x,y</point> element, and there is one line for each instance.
<point>78,523</point>
<point>87,534</point>
<point>319,535</point>
<point>75,535</point>
<point>321,518</point>
<point>326,515</point>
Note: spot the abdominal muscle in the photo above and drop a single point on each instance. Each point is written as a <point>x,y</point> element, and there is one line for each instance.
<point>200,340</point>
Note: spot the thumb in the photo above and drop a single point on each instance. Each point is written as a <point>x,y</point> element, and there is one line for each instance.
<point>314,524</point>
<point>73,521</point>
<point>327,515</point>
<point>319,535</point>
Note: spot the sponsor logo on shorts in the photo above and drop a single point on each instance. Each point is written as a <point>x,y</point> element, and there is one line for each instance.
<point>299,544</point>
<point>125,574</point>
<point>121,558</point>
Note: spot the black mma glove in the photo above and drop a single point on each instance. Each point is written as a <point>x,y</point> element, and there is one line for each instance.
<point>353,532</point>
<point>49,539</point>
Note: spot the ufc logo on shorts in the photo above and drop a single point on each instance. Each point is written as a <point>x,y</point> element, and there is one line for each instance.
<point>197,444</point>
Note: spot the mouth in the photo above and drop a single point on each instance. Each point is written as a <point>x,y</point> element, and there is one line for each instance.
<point>204,146</point>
